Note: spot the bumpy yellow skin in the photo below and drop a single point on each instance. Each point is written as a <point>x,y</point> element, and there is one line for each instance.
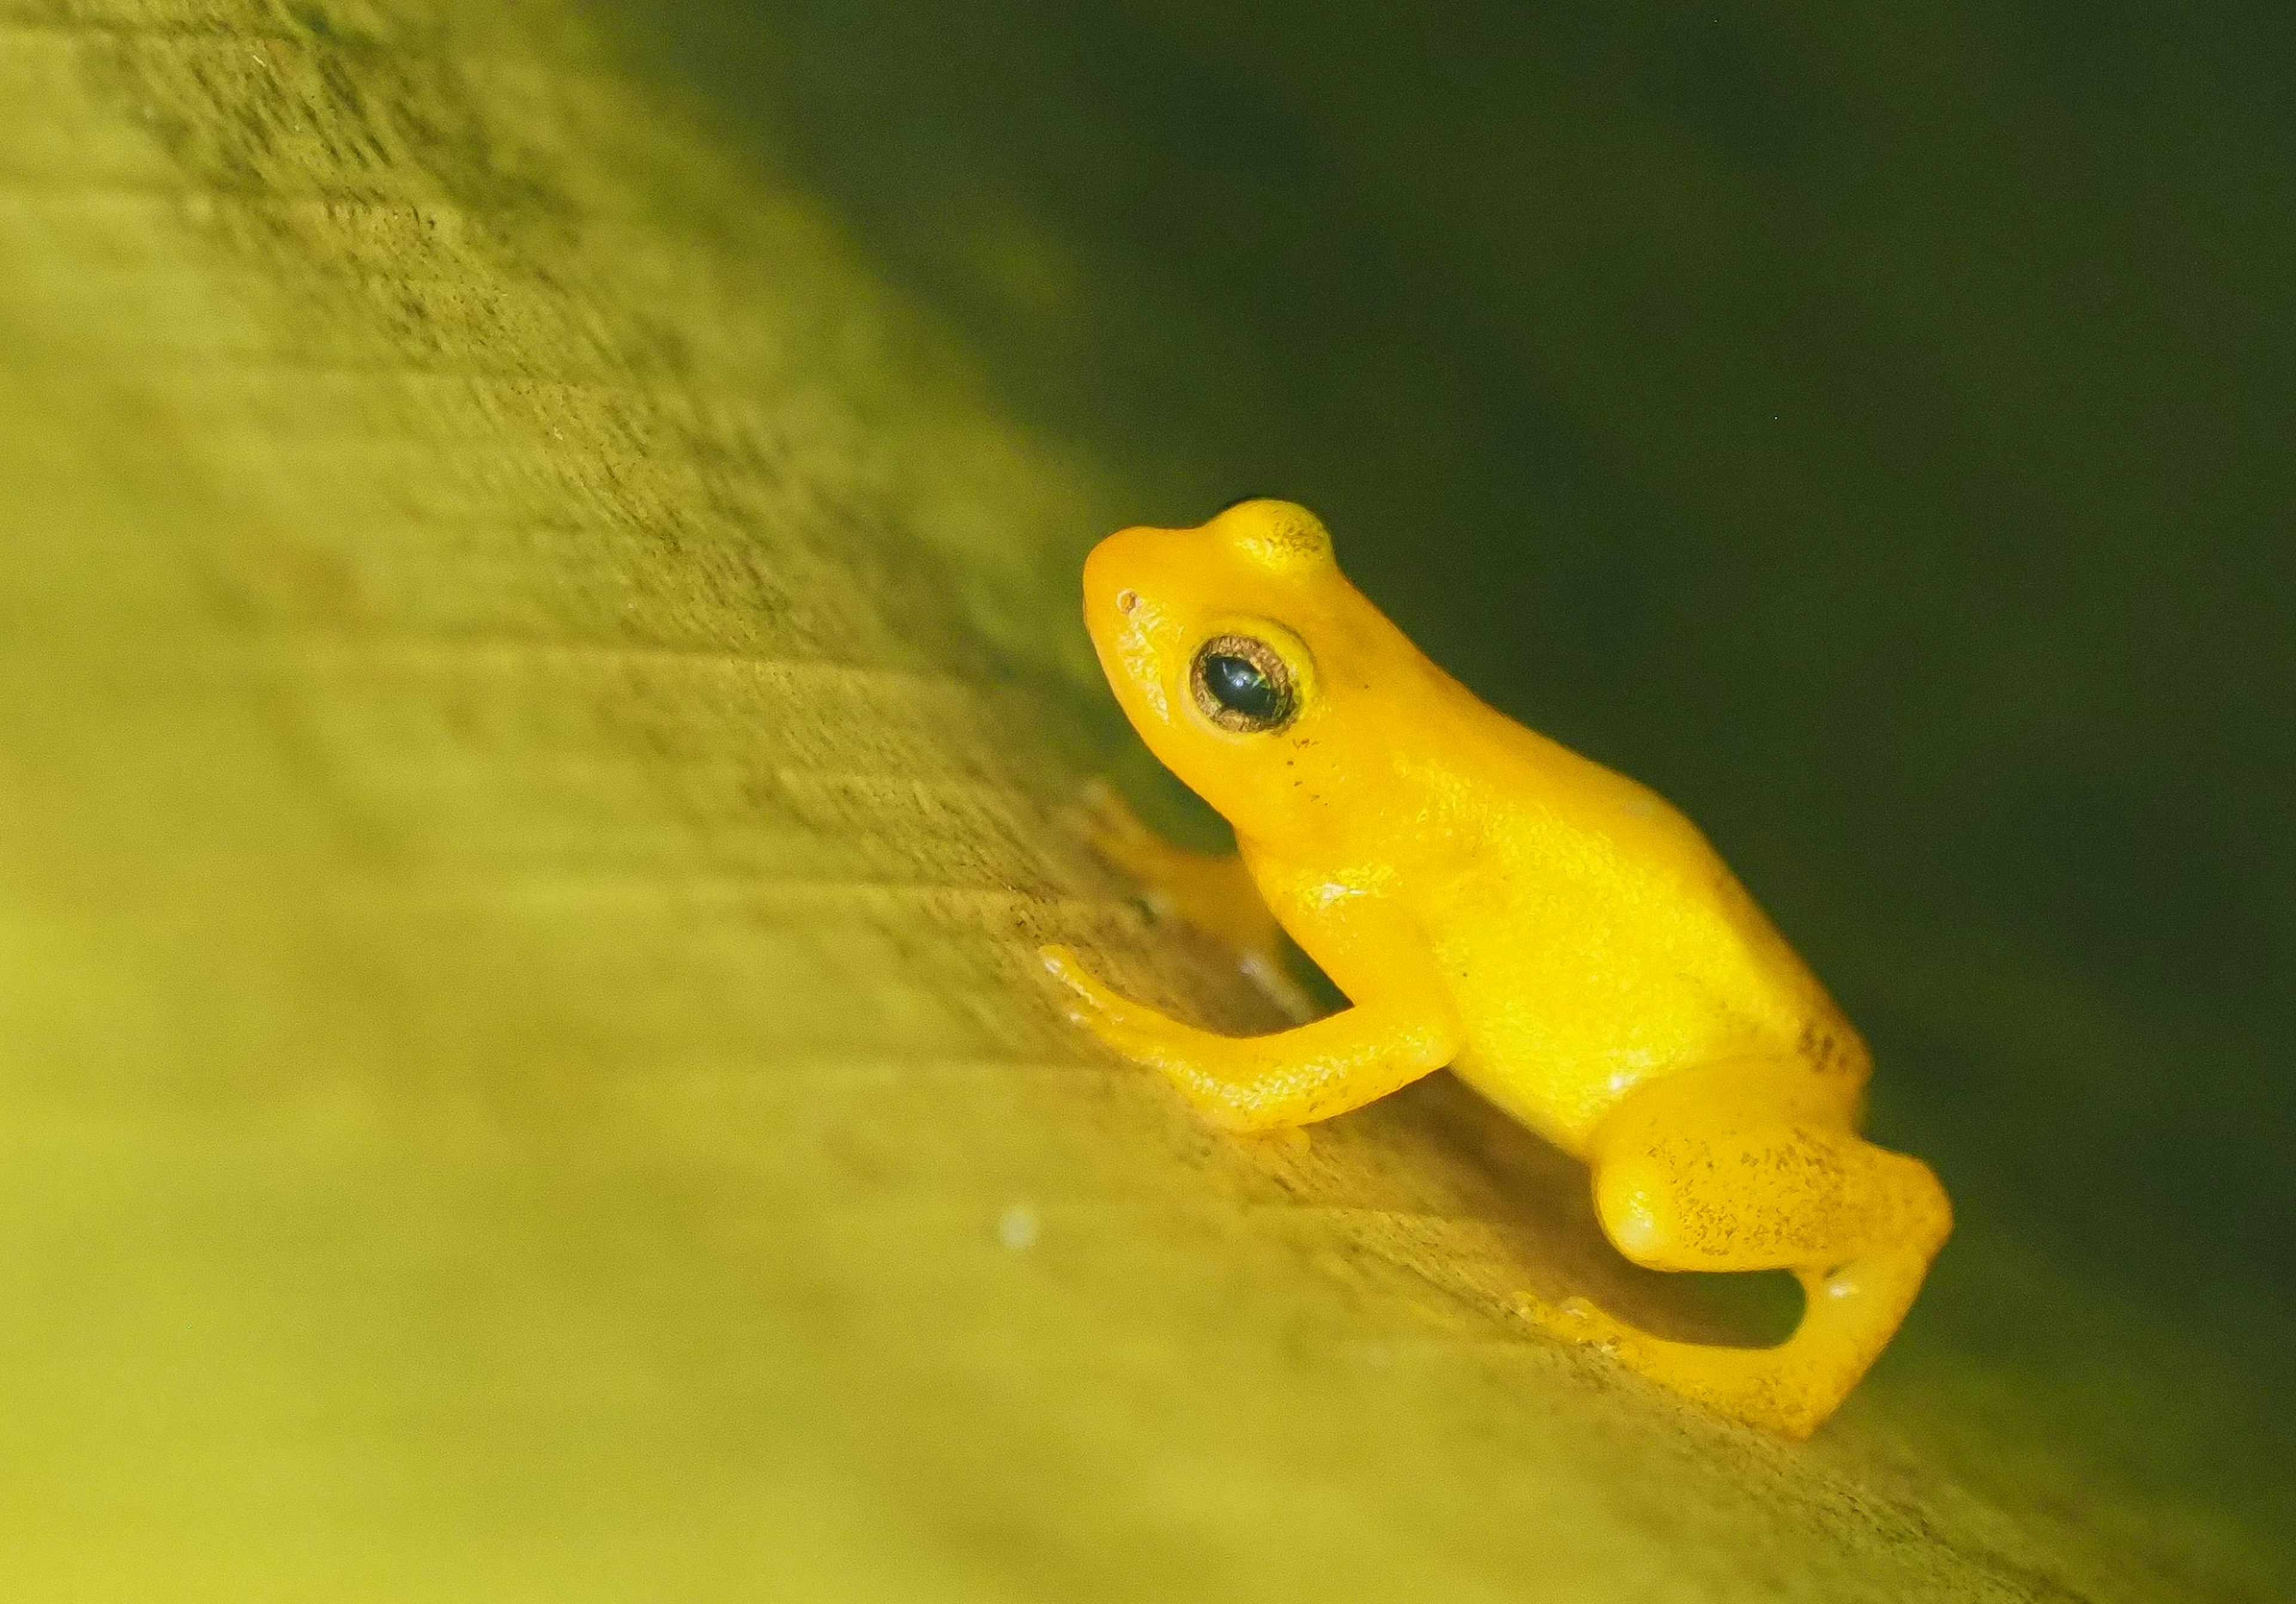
<point>1560,937</point>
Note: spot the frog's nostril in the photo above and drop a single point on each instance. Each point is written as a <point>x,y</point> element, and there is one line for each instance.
<point>1127,600</point>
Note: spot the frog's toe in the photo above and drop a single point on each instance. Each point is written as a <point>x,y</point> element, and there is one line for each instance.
<point>1122,1024</point>
<point>1085,990</point>
<point>1574,1321</point>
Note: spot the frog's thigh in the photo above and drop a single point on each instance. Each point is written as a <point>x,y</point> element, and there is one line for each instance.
<point>1752,1166</point>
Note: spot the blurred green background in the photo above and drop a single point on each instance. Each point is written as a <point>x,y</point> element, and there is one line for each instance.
<point>1870,424</point>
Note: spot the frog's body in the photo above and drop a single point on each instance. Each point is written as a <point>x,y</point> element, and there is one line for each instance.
<point>1563,939</point>
<point>1589,938</point>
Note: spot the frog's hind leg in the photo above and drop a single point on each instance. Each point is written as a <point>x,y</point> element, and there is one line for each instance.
<point>1754,1166</point>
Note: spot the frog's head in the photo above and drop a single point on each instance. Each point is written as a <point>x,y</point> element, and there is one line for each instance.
<point>1250,666</point>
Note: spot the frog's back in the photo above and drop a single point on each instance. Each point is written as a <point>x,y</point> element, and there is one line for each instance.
<point>1596,941</point>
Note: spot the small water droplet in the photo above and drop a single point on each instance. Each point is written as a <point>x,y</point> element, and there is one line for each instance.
<point>1018,1227</point>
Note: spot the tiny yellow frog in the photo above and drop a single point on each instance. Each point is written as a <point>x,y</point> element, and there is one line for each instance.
<point>1560,937</point>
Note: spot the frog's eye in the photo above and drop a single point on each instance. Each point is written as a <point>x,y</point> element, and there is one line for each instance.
<point>1242,685</point>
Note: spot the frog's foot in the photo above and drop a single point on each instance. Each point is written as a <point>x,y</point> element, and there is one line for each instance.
<point>1762,1388</point>
<point>1127,1027</point>
<point>1137,1032</point>
<point>1574,1321</point>
<point>1293,1077</point>
<point>1789,1388</point>
<point>1214,897</point>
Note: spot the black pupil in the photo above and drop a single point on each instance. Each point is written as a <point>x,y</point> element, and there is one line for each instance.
<point>1241,687</point>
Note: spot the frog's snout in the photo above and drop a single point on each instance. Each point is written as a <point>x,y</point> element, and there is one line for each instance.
<point>1111,581</point>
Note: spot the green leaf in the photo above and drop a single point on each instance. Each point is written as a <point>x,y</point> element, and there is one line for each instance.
<point>536,699</point>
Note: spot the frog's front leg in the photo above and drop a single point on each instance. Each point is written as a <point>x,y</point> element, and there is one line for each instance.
<point>1402,1027</point>
<point>1214,897</point>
